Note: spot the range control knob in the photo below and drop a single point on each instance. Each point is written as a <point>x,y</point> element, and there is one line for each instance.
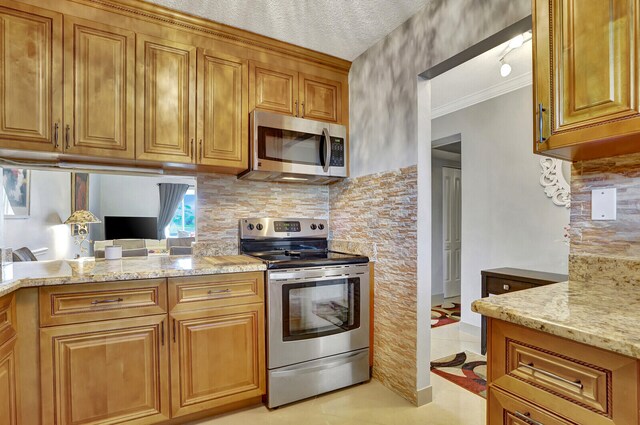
<point>250,226</point>
<point>259,226</point>
<point>321,226</point>
<point>314,227</point>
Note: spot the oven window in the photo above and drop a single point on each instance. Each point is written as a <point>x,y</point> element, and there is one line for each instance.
<point>315,309</point>
<point>289,146</point>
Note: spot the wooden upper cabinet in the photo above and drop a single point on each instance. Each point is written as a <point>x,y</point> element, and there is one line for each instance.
<point>107,372</point>
<point>274,89</point>
<point>294,93</point>
<point>166,100</point>
<point>320,98</point>
<point>99,89</point>
<point>30,78</point>
<point>217,357</point>
<point>223,112</point>
<point>586,87</point>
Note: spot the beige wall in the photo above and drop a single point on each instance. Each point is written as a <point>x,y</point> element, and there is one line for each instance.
<point>384,132</point>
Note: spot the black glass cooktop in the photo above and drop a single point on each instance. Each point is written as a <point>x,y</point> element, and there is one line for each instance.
<point>284,259</point>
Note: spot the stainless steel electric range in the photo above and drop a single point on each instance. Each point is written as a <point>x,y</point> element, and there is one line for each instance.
<point>317,308</point>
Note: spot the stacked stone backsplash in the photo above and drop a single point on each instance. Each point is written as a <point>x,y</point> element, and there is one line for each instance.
<point>596,246</point>
<point>378,213</point>
<point>223,200</point>
<point>619,238</point>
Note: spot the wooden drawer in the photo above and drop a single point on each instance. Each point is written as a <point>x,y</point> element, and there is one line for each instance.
<point>565,377</point>
<point>187,293</point>
<point>497,285</point>
<point>505,409</point>
<point>101,301</point>
<point>7,318</point>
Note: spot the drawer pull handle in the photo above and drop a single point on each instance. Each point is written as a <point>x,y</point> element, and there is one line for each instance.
<point>96,302</point>
<point>506,287</point>
<point>527,418</point>
<point>530,366</point>
<point>218,291</point>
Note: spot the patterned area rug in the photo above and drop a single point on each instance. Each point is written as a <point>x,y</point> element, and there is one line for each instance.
<point>468,370</point>
<point>445,314</point>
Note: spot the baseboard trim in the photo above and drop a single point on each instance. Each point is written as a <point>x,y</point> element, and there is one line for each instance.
<point>470,329</point>
<point>424,396</point>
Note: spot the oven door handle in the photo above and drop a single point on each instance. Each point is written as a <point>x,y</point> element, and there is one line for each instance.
<point>344,359</point>
<point>325,150</point>
<point>289,278</point>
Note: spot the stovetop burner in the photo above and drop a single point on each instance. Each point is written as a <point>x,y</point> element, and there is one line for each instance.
<point>299,243</point>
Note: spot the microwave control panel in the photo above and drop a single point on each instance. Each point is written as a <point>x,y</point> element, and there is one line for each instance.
<point>337,152</point>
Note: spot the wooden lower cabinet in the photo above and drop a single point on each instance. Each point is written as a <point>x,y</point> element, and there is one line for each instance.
<point>105,372</point>
<point>553,380</point>
<point>8,403</point>
<point>217,357</point>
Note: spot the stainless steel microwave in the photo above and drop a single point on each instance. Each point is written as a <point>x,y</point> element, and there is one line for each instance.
<point>290,149</point>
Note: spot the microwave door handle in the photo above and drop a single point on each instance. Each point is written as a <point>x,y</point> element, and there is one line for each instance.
<point>326,143</point>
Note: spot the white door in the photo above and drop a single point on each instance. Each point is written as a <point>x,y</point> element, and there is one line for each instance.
<point>451,229</point>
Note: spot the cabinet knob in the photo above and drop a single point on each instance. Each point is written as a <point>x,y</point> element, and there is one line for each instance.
<point>506,287</point>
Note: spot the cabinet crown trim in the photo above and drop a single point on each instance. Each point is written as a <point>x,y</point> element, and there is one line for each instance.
<point>216,29</point>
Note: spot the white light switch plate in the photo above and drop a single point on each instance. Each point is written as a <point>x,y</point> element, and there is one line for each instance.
<point>603,204</point>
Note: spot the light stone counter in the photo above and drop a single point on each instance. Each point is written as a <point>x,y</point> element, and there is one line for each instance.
<point>63,272</point>
<point>596,314</point>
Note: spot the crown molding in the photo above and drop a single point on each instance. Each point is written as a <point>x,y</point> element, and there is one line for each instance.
<point>496,90</point>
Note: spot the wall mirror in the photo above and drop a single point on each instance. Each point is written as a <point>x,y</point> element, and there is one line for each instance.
<point>131,210</point>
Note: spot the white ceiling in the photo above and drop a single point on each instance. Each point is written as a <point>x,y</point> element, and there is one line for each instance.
<point>342,28</point>
<point>479,79</point>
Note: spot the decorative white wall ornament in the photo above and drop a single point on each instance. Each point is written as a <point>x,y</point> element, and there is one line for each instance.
<point>554,182</point>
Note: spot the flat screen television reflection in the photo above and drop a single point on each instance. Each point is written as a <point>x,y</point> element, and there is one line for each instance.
<point>116,227</point>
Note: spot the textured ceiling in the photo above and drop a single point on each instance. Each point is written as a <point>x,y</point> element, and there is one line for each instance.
<point>342,28</point>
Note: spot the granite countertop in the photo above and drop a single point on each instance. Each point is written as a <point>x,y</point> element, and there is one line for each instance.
<point>594,313</point>
<point>63,272</point>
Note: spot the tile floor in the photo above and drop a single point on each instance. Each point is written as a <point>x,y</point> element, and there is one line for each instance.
<point>373,404</point>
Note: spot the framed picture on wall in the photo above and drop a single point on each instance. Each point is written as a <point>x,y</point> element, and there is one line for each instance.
<point>79,191</point>
<point>17,190</point>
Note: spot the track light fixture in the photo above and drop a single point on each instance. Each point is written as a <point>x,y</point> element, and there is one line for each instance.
<point>513,44</point>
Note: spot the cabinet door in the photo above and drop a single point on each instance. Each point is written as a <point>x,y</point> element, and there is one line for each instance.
<point>105,372</point>
<point>99,89</point>
<point>30,78</point>
<point>223,115</point>
<point>8,405</point>
<point>217,357</point>
<point>586,76</point>
<point>321,99</point>
<point>274,89</point>
<point>166,100</point>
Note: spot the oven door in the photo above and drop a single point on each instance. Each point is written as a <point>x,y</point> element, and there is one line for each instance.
<point>287,144</point>
<point>317,312</point>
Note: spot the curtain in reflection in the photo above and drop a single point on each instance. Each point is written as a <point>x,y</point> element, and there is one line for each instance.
<point>171,195</point>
